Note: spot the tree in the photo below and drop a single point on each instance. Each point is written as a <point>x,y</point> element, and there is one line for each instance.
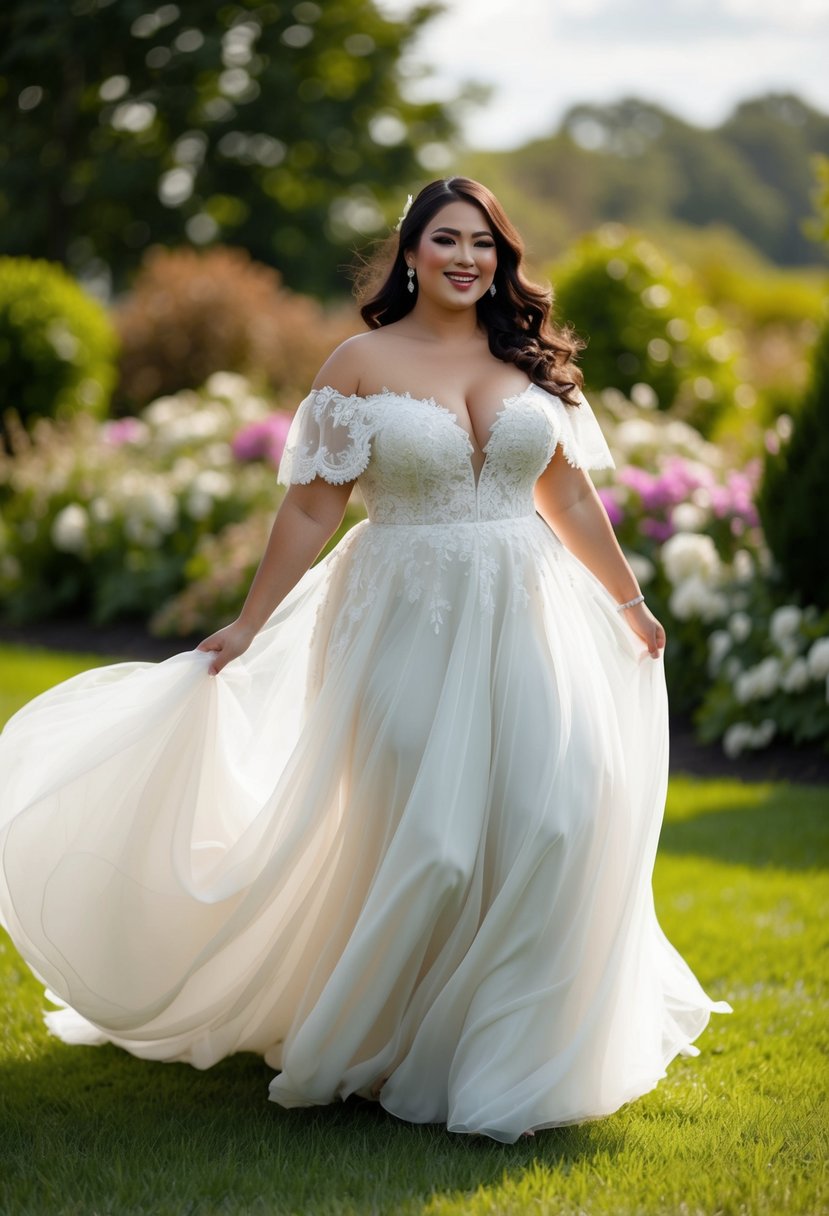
<point>279,128</point>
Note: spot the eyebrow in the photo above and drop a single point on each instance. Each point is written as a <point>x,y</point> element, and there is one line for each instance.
<point>456,231</point>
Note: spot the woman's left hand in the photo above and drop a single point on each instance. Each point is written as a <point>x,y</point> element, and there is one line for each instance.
<point>645,625</point>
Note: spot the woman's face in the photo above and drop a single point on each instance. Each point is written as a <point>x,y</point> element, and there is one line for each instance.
<point>455,259</point>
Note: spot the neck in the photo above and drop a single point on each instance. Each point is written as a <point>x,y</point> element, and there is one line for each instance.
<point>433,323</point>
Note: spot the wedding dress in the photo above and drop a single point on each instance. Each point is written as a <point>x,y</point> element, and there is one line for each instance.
<point>406,839</point>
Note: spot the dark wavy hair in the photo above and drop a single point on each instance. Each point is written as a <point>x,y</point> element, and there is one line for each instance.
<point>517,317</point>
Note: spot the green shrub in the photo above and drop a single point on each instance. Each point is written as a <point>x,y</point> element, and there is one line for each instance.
<point>650,333</point>
<point>793,502</point>
<point>191,314</point>
<point>57,346</point>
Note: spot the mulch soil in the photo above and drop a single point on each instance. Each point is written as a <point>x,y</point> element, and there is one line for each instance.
<point>129,641</point>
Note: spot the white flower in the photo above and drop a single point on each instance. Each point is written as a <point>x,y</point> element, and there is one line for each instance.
<point>739,626</point>
<point>687,554</point>
<point>642,567</point>
<point>687,517</point>
<point>228,386</point>
<point>694,597</point>
<point>758,682</point>
<point>818,659</point>
<point>736,739</point>
<point>784,624</point>
<point>214,483</point>
<point>742,567</point>
<point>796,676</point>
<point>635,433</point>
<point>69,529</point>
<point>719,644</point>
<point>742,735</point>
<point>399,223</point>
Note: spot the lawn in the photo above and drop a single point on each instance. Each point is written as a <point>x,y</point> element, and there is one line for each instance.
<point>740,1130</point>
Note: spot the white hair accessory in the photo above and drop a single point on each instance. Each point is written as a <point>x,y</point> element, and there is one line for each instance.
<point>409,202</point>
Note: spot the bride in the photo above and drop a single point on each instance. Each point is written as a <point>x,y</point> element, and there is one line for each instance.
<point>394,827</point>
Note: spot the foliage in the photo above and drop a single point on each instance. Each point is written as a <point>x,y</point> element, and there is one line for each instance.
<point>650,333</point>
<point>219,574</point>
<point>102,520</point>
<point>280,128</point>
<point>738,1129</point>
<point>57,346</point>
<point>635,163</point>
<point>793,502</point>
<point>751,666</point>
<point>191,313</point>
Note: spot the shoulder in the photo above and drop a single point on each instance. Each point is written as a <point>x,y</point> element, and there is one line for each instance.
<point>349,366</point>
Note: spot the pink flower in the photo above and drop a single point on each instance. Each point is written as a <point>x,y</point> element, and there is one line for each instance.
<point>657,529</point>
<point>124,430</point>
<point>612,505</point>
<point>263,440</point>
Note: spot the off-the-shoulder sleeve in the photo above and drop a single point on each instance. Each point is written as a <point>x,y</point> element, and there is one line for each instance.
<point>580,435</point>
<point>329,438</point>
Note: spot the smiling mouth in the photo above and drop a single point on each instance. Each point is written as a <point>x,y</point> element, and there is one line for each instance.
<point>462,278</point>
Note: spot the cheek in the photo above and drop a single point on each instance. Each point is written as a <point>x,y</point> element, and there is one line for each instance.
<point>434,256</point>
<point>488,260</point>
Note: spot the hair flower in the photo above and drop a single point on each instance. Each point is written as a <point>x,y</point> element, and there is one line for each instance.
<point>409,202</point>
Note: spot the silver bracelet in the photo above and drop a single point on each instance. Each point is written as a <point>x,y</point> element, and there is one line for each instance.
<point>639,599</point>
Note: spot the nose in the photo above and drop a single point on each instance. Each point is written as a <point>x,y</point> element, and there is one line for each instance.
<point>464,255</point>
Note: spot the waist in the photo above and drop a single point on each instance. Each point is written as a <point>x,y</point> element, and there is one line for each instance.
<point>504,522</point>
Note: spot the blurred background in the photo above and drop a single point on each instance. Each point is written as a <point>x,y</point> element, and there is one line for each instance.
<point>186,190</point>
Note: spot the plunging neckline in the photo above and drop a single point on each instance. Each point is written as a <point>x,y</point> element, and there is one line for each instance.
<point>472,444</point>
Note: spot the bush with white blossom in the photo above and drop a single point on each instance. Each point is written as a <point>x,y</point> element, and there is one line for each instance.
<point>101,519</point>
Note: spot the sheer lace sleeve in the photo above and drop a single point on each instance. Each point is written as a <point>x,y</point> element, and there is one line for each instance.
<point>329,438</point>
<point>580,435</point>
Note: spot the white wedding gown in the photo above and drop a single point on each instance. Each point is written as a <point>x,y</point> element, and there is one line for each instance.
<point>409,835</point>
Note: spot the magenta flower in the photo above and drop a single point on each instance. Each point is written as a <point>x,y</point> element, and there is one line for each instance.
<point>612,505</point>
<point>263,440</point>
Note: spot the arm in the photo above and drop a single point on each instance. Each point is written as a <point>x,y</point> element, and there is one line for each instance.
<point>306,520</point>
<point>308,517</point>
<point>567,501</point>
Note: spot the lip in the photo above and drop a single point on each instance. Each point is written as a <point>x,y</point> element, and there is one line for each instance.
<point>463,282</point>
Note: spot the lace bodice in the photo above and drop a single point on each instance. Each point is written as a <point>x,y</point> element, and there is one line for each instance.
<point>414,460</point>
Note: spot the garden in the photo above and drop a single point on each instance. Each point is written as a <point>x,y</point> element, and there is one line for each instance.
<point>176,270</point>
<point>138,471</point>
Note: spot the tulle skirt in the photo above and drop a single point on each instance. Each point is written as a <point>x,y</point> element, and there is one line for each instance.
<point>402,846</point>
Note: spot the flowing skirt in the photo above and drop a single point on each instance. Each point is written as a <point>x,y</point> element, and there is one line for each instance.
<point>405,841</point>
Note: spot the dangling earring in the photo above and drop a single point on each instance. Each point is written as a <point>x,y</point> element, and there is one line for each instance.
<point>411,273</point>
<point>492,289</point>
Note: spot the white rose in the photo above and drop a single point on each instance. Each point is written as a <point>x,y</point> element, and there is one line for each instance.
<point>69,529</point>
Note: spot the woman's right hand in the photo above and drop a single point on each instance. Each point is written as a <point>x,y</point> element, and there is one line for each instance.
<point>227,644</point>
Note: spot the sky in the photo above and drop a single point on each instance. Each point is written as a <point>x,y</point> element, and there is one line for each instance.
<point>696,58</point>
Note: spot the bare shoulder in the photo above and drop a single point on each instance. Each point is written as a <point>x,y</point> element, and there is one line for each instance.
<point>352,363</point>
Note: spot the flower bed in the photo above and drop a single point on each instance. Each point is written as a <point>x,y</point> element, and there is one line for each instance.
<point>165,517</point>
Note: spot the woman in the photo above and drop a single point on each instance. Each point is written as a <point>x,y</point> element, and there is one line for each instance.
<point>403,845</point>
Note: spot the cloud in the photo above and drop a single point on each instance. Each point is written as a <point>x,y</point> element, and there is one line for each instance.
<point>696,58</point>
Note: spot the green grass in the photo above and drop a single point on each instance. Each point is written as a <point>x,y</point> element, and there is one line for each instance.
<point>738,1131</point>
